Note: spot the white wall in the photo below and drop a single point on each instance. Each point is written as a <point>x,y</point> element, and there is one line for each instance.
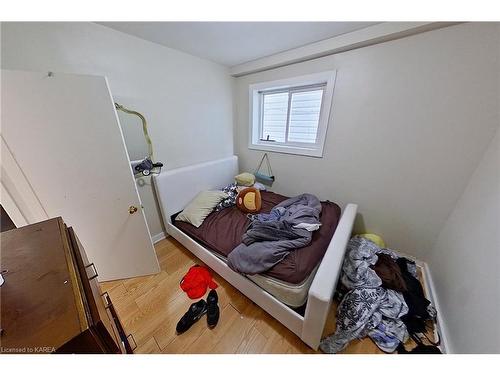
<point>410,121</point>
<point>465,262</point>
<point>186,100</point>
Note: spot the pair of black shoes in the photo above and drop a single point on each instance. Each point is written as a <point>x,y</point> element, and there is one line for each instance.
<point>197,310</point>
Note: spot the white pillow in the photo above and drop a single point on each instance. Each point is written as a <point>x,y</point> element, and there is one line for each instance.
<point>200,207</point>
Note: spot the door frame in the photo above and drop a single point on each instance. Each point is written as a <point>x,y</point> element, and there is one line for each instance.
<point>17,195</point>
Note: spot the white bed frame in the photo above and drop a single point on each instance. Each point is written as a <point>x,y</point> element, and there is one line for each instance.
<point>177,187</point>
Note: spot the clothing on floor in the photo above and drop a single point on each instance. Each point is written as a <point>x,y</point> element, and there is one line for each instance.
<point>389,334</point>
<point>359,262</point>
<point>419,349</point>
<point>356,269</point>
<point>368,309</point>
<point>196,281</point>
<point>364,310</point>
<point>267,241</point>
<point>414,297</point>
<point>419,307</point>
<point>389,272</point>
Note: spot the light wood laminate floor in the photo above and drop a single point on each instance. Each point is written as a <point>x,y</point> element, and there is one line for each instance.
<point>149,307</point>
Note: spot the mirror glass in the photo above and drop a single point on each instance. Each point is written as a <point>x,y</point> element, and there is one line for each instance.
<point>131,125</point>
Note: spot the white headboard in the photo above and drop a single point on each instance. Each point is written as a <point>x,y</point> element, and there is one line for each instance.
<point>175,188</point>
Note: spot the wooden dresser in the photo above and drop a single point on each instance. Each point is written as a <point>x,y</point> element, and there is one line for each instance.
<point>51,301</point>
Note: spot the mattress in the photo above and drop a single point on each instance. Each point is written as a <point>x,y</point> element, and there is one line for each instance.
<point>221,232</point>
<point>294,295</point>
<point>290,279</point>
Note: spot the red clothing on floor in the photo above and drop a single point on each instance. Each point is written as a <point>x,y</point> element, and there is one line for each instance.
<point>196,282</point>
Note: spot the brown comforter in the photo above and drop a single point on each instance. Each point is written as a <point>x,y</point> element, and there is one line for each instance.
<point>221,232</point>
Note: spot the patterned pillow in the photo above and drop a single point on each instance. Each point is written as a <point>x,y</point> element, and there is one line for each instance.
<point>232,191</point>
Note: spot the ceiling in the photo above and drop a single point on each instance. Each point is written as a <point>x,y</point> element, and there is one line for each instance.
<point>233,43</point>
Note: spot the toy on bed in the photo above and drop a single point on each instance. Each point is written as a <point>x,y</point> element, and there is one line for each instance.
<point>245,179</point>
<point>249,200</point>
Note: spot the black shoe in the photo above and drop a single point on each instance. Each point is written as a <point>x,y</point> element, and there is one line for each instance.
<point>195,312</point>
<point>213,309</point>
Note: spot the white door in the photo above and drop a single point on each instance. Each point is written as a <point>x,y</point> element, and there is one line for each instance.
<point>63,132</point>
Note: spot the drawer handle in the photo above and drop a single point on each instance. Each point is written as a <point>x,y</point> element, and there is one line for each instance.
<point>133,339</point>
<point>93,269</point>
<point>107,300</point>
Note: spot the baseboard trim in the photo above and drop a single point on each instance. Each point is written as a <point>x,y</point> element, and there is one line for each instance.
<point>158,237</point>
<point>441,325</point>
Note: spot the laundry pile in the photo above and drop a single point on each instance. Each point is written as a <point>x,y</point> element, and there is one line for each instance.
<point>385,300</point>
<point>270,237</point>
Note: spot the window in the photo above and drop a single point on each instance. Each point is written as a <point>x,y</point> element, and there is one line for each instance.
<point>291,115</point>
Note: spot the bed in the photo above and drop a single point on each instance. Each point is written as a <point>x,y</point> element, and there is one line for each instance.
<point>306,277</point>
<point>289,280</point>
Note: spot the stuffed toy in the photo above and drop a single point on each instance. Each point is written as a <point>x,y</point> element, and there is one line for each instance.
<point>249,200</point>
<point>245,179</point>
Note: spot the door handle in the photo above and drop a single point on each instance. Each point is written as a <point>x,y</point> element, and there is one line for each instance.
<point>94,269</point>
<point>132,210</point>
<point>133,339</point>
<point>107,300</point>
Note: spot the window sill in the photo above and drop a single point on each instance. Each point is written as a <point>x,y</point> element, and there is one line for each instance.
<point>294,150</point>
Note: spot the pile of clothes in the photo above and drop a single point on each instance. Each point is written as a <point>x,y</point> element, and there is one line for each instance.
<point>385,301</point>
<point>270,237</point>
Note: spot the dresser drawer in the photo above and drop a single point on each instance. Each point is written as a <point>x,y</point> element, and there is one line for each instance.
<point>106,323</point>
<point>95,303</point>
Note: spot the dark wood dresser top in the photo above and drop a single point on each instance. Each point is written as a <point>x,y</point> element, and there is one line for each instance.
<point>37,266</point>
<point>51,301</point>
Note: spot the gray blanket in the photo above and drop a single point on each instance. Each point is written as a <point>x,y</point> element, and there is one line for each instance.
<point>271,231</point>
<point>267,242</point>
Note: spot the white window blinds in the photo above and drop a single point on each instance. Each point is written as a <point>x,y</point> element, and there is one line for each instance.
<point>292,115</point>
<point>275,116</point>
